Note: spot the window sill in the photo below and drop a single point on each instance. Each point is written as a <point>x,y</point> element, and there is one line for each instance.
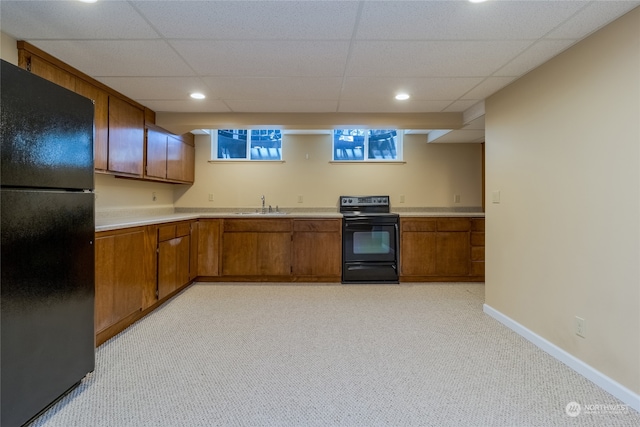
<point>368,162</point>
<point>244,161</point>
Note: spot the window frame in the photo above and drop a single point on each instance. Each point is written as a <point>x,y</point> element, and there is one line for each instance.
<point>365,156</point>
<point>248,154</point>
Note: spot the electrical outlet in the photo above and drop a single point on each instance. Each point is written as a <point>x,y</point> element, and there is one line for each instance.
<point>581,327</point>
<point>456,198</point>
<point>402,198</point>
<point>153,196</point>
<point>300,198</point>
<point>211,197</point>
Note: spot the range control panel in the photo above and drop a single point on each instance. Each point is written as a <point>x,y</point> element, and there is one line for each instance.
<point>364,201</point>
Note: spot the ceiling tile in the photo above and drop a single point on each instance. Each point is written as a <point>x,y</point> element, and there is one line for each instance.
<point>73,20</point>
<point>540,52</point>
<point>434,88</point>
<point>461,20</point>
<point>160,88</point>
<point>259,20</point>
<point>390,106</point>
<point>282,106</point>
<point>431,59</point>
<point>99,58</point>
<point>488,86</point>
<point>591,18</point>
<point>187,106</point>
<point>265,58</point>
<point>274,87</point>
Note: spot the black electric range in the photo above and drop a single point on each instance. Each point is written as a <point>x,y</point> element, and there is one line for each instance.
<point>370,240</point>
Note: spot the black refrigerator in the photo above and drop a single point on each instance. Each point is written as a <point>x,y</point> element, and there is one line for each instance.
<point>47,252</point>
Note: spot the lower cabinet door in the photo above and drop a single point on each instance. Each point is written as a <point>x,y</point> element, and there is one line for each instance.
<point>173,265</point>
<point>119,277</point>
<point>256,254</point>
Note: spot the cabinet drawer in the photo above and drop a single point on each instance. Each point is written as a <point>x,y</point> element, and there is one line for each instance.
<point>166,232</point>
<point>477,238</point>
<point>477,253</point>
<point>332,225</point>
<point>454,224</point>
<point>418,224</point>
<point>477,269</point>
<point>183,229</point>
<point>257,225</point>
<point>477,224</point>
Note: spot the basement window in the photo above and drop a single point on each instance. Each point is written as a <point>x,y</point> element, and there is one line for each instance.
<point>246,144</point>
<point>367,145</point>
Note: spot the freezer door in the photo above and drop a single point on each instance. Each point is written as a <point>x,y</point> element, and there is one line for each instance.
<point>47,133</point>
<point>47,302</point>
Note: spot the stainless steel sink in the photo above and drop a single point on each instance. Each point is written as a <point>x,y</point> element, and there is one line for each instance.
<point>261,214</point>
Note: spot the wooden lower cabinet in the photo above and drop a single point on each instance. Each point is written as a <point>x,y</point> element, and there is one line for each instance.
<point>258,248</point>
<point>269,249</point>
<point>174,247</point>
<point>477,247</point>
<point>317,249</point>
<point>208,247</point>
<point>440,249</point>
<point>418,253</point>
<point>120,276</point>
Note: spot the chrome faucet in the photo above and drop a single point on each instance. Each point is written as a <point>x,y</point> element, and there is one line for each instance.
<point>263,208</point>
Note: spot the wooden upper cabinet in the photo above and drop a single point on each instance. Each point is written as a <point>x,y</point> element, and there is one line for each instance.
<point>100,122</point>
<point>180,159</point>
<point>156,153</point>
<point>46,70</point>
<point>120,137</point>
<point>169,157</point>
<point>126,137</point>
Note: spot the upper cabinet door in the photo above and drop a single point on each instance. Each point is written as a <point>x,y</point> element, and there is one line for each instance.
<point>100,100</point>
<point>126,137</point>
<point>180,160</point>
<point>156,153</point>
<point>50,72</point>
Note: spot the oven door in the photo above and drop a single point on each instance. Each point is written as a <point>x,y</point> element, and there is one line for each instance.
<point>367,240</point>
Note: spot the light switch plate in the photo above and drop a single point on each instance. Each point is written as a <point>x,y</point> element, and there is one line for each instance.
<point>495,196</point>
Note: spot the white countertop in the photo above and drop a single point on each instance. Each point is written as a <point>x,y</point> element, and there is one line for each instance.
<point>115,222</point>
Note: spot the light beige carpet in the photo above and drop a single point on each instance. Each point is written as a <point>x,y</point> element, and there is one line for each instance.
<point>328,355</point>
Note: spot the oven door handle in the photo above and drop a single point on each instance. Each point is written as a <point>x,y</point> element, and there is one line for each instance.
<point>367,226</point>
<point>362,267</point>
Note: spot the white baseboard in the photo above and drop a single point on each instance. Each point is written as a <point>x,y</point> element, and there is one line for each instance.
<point>598,378</point>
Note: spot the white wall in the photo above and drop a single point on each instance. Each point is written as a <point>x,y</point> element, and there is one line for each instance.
<point>563,149</point>
<point>431,176</point>
<point>8,48</point>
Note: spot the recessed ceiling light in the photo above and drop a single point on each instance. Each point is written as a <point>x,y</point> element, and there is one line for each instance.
<point>477,1</point>
<point>197,95</point>
<point>88,1</point>
<point>402,96</point>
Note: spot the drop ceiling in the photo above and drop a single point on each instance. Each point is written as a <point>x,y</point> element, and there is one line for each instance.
<point>312,57</point>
